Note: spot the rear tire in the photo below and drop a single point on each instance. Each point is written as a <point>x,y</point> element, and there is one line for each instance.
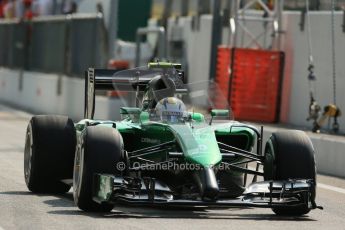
<point>49,153</point>
<point>290,155</point>
<point>99,151</point>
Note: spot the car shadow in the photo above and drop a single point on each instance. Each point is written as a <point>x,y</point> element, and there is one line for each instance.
<point>63,200</point>
<point>122,211</point>
<point>145,212</point>
<point>157,213</point>
<point>21,193</point>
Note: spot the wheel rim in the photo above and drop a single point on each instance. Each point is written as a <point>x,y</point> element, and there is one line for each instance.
<point>27,156</point>
<point>78,171</point>
<point>269,167</point>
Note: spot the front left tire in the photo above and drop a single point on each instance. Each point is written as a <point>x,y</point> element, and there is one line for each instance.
<point>290,155</point>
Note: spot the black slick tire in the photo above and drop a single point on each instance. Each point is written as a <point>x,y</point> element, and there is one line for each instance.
<point>49,153</point>
<point>100,149</point>
<point>290,155</point>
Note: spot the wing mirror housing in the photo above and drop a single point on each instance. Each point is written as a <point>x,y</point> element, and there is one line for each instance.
<point>144,117</point>
<point>198,117</point>
<point>219,113</point>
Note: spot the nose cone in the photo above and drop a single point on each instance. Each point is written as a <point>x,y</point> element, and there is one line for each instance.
<point>207,183</point>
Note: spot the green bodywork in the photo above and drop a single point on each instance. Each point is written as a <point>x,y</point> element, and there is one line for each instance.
<point>197,139</point>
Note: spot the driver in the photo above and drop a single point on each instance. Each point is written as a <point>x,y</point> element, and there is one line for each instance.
<point>170,109</point>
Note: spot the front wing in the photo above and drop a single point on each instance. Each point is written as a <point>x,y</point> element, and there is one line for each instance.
<point>148,191</point>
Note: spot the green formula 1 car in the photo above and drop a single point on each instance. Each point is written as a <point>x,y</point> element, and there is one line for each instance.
<point>166,152</point>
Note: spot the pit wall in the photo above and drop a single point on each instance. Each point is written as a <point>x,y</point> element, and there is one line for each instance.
<point>42,93</point>
<point>295,91</point>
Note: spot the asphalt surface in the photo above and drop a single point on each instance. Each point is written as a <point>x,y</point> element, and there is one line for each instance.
<point>20,209</point>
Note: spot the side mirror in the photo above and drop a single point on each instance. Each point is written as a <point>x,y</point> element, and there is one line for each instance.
<point>130,113</point>
<point>219,113</point>
<point>144,117</point>
<point>198,117</point>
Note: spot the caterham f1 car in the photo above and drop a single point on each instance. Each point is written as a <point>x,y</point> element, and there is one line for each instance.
<point>171,149</point>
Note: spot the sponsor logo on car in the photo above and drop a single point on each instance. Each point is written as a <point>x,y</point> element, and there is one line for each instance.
<point>149,140</point>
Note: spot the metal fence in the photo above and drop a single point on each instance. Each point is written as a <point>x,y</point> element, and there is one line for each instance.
<point>313,4</point>
<point>57,44</point>
<point>192,7</point>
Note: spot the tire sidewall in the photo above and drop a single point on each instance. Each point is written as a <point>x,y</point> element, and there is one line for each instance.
<point>29,161</point>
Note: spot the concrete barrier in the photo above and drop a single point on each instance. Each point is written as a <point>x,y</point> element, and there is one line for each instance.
<point>42,93</point>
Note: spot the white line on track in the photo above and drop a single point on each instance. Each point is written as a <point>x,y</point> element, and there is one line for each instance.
<point>330,187</point>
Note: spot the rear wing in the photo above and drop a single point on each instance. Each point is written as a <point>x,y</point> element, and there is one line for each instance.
<point>105,79</point>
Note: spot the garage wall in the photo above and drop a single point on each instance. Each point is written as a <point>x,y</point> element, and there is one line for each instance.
<point>295,95</point>
<point>321,41</point>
